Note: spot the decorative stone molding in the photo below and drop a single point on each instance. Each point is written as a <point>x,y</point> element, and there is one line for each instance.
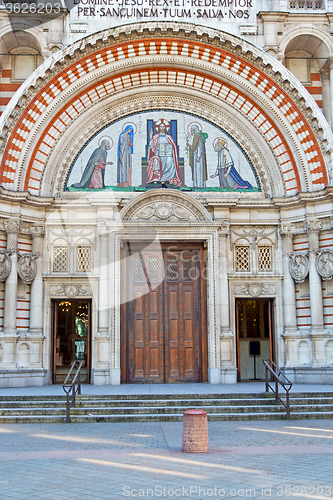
<point>287,230</point>
<point>224,229</point>
<point>255,289</point>
<point>27,267</point>
<point>5,264</point>
<point>253,231</point>
<point>159,205</point>
<point>298,267</point>
<point>164,211</point>
<point>37,231</point>
<point>313,226</point>
<point>324,264</point>
<point>70,290</point>
<point>12,226</point>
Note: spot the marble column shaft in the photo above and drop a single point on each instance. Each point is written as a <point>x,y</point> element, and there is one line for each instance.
<point>326,95</point>
<point>104,306</point>
<point>289,299</point>
<point>331,86</point>
<point>10,305</point>
<point>223,283</point>
<point>36,291</point>
<point>316,294</point>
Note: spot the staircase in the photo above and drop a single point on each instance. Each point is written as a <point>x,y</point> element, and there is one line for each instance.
<point>163,408</point>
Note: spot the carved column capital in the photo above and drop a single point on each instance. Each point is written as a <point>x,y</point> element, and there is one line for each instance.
<point>224,229</point>
<point>324,74</point>
<point>37,231</point>
<point>313,226</point>
<point>12,226</point>
<point>287,230</point>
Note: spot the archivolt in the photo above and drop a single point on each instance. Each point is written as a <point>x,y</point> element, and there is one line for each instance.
<point>182,63</point>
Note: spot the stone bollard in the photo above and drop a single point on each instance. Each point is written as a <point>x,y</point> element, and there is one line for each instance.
<point>195,432</point>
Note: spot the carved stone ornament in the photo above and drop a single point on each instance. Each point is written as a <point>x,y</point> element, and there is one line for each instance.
<point>12,226</point>
<point>324,264</point>
<point>255,289</point>
<point>5,264</point>
<point>164,205</point>
<point>70,290</point>
<point>27,267</point>
<point>298,267</point>
<point>164,211</point>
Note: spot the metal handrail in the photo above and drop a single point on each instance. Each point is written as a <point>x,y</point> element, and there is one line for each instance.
<point>277,374</point>
<point>70,386</point>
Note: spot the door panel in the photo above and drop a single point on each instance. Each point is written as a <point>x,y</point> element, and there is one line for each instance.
<point>164,317</point>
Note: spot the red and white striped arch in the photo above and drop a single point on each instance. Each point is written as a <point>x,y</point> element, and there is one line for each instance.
<point>232,80</point>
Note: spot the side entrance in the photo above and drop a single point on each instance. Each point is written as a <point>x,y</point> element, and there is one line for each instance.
<point>255,337</point>
<point>71,327</point>
<point>163,317</point>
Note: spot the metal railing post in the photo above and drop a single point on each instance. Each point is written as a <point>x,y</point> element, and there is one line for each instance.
<point>73,387</point>
<point>68,416</point>
<point>278,376</point>
<point>276,391</point>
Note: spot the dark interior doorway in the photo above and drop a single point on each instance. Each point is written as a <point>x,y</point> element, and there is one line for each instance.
<point>255,337</point>
<point>71,322</point>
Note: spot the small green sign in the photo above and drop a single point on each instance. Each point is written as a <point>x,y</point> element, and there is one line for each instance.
<point>80,350</point>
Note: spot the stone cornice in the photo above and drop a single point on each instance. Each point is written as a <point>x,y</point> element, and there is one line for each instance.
<point>24,197</point>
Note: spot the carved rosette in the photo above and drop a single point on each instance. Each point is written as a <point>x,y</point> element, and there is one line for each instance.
<point>324,264</point>
<point>27,267</point>
<point>5,265</point>
<point>255,289</point>
<point>298,267</point>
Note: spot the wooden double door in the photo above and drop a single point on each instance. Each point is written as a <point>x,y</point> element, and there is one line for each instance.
<point>163,326</point>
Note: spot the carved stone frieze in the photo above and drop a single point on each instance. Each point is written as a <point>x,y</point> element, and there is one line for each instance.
<point>27,267</point>
<point>158,205</point>
<point>255,289</point>
<point>72,231</point>
<point>5,264</point>
<point>253,231</point>
<point>70,290</point>
<point>324,264</point>
<point>298,267</point>
<point>164,211</point>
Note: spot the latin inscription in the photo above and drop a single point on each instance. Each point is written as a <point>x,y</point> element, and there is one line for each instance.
<point>218,10</point>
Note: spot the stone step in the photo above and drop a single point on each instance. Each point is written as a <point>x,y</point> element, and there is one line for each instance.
<point>152,407</point>
<point>148,410</point>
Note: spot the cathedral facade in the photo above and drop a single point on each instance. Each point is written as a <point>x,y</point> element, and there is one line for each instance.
<point>166,192</point>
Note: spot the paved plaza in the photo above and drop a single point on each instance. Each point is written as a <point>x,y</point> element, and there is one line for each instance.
<point>97,461</point>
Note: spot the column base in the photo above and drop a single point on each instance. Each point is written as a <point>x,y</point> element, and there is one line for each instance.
<point>115,376</point>
<point>214,375</point>
<point>229,375</point>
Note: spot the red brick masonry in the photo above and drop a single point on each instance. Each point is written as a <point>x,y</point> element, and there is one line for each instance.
<point>195,432</point>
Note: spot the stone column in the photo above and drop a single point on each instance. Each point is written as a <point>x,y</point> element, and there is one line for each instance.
<point>36,291</point>
<point>331,86</point>
<point>223,280</point>
<point>326,94</point>
<point>289,299</point>
<point>316,294</point>
<point>104,306</point>
<point>12,227</point>
<point>228,368</point>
